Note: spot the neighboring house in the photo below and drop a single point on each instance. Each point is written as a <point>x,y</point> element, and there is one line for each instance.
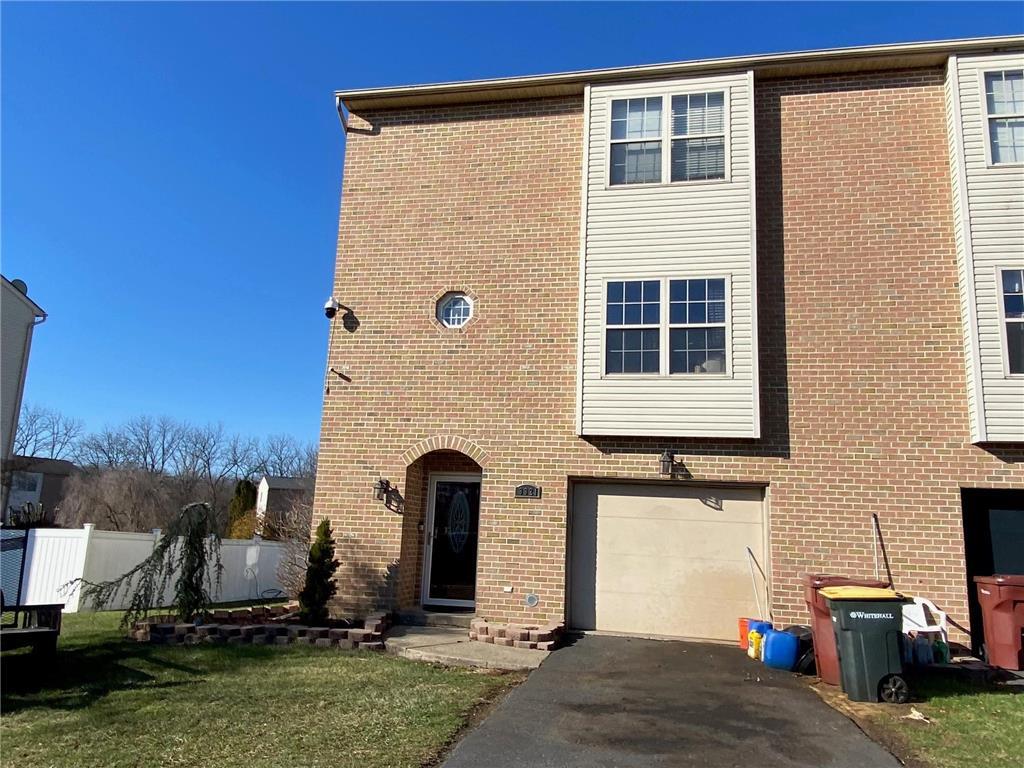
<point>615,327</point>
<point>19,316</point>
<point>275,496</point>
<point>37,481</point>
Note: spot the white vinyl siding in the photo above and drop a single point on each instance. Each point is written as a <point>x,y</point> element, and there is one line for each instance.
<point>988,206</point>
<point>694,229</point>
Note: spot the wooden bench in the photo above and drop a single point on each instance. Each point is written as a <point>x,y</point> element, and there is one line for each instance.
<point>33,625</point>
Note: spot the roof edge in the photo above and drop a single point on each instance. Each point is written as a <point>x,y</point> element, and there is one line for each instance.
<point>771,65</point>
<point>36,309</point>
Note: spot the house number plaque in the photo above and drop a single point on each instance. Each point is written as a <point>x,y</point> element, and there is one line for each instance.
<point>527,491</point>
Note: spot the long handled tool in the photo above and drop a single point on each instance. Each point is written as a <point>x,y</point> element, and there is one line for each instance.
<point>881,544</point>
<point>752,561</point>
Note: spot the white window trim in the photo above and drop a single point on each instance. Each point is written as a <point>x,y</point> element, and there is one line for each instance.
<point>1004,340</point>
<point>660,139</point>
<point>664,327</point>
<point>443,302</point>
<point>666,137</point>
<point>986,128</point>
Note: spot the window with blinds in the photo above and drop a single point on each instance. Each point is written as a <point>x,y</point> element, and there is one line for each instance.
<point>694,129</point>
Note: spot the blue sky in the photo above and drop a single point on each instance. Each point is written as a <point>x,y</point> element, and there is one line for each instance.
<point>171,172</point>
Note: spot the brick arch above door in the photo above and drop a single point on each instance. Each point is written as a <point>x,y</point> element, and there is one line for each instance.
<point>446,442</point>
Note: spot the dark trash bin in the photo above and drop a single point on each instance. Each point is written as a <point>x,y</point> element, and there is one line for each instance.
<point>1002,616</point>
<point>825,658</point>
<point>805,648</point>
<point>868,624</point>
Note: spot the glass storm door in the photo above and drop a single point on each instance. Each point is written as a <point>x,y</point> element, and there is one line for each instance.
<point>453,522</point>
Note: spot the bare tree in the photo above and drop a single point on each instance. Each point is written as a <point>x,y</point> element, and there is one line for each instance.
<point>140,473</point>
<point>115,499</point>
<point>214,461</point>
<point>153,444</point>
<point>279,455</point>
<point>106,449</point>
<point>46,433</point>
<point>292,528</point>
<point>307,464</point>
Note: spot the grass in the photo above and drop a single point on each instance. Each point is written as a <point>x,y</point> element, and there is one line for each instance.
<point>108,702</point>
<point>972,724</point>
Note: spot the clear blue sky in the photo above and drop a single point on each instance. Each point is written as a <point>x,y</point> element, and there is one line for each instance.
<point>171,172</point>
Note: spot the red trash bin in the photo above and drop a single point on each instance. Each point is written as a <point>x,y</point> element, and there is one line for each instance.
<point>1002,618</point>
<point>826,657</point>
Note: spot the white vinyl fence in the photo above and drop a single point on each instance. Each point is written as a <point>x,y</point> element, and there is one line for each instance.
<point>56,556</point>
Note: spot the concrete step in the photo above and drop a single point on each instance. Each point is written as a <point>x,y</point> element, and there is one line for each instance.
<point>419,618</point>
<point>452,647</point>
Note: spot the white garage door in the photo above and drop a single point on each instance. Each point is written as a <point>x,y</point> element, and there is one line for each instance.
<point>664,560</point>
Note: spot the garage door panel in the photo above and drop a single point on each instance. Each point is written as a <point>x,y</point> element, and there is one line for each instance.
<point>663,560</point>
<point>680,615</point>
<point>675,539</point>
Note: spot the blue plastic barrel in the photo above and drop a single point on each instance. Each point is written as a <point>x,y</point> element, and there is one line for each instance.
<point>780,650</point>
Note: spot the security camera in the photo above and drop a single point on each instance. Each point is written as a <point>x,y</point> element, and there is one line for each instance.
<point>331,307</point>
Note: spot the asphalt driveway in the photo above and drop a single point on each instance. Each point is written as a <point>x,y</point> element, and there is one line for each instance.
<point>611,701</point>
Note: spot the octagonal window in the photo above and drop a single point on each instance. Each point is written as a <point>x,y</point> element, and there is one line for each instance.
<point>454,310</point>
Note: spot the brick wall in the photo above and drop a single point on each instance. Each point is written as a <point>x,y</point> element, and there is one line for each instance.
<point>862,372</point>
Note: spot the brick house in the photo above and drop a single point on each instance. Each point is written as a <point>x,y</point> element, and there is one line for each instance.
<point>603,331</point>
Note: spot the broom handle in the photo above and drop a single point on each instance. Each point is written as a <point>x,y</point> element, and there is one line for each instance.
<point>753,581</point>
<point>881,544</point>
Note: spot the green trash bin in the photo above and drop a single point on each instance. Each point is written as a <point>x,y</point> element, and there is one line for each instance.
<point>868,624</point>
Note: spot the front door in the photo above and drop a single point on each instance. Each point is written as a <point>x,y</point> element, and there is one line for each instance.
<point>453,523</point>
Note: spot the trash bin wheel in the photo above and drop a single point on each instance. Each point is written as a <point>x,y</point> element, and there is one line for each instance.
<point>894,690</point>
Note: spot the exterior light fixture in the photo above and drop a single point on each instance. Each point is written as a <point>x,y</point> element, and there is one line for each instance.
<point>381,489</point>
<point>668,460</point>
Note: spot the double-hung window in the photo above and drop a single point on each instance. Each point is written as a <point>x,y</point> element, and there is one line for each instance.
<point>696,318</point>
<point>694,133</point>
<point>633,333</point>
<point>636,141</point>
<point>1012,284</point>
<point>666,326</point>
<point>698,136</point>
<point>1004,107</point>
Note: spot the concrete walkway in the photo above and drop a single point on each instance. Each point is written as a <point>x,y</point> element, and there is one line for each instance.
<point>452,646</point>
<point>613,702</point>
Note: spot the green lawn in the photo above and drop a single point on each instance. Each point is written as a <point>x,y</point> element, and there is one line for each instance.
<point>108,702</point>
<point>971,725</point>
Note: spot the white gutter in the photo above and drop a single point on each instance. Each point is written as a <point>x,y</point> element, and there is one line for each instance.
<point>576,79</point>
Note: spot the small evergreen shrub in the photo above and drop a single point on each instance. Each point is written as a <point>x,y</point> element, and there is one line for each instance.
<point>320,586</point>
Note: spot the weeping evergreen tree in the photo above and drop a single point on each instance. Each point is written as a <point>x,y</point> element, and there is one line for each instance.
<point>320,586</point>
<point>193,563</point>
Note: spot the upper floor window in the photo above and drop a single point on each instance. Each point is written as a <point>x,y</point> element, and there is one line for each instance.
<point>635,160</point>
<point>698,136</point>
<point>1004,105</point>
<point>691,333</point>
<point>695,134</point>
<point>1013,318</point>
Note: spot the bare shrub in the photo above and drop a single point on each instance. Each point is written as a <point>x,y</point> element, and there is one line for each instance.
<point>292,528</point>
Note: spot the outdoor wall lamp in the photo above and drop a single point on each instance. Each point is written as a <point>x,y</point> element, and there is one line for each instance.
<point>381,489</point>
<point>384,491</point>
<point>668,460</point>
